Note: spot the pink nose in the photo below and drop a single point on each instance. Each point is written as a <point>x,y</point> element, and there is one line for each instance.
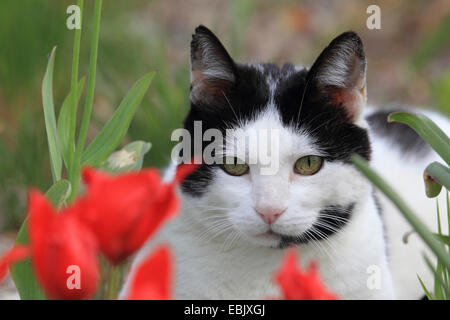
<point>270,215</point>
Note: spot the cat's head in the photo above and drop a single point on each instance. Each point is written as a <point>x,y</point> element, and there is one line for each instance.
<point>313,117</point>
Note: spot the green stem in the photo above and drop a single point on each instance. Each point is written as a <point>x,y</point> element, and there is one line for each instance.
<point>115,277</point>
<point>409,214</point>
<point>73,90</point>
<point>76,165</point>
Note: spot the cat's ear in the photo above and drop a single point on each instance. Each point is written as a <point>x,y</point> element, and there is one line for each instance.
<point>212,69</point>
<point>339,74</point>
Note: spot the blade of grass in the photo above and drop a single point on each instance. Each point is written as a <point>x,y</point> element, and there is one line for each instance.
<point>427,129</point>
<point>74,172</point>
<point>447,270</point>
<point>427,293</point>
<point>444,239</point>
<point>74,87</point>
<point>438,292</point>
<point>117,126</point>
<point>406,211</point>
<point>437,277</point>
<point>65,125</point>
<point>50,120</point>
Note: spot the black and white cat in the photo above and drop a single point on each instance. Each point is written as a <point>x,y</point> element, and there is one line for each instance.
<point>235,222</point>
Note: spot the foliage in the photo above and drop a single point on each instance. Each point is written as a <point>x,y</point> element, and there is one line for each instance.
<point>436,176</point>
<point>67,153</point>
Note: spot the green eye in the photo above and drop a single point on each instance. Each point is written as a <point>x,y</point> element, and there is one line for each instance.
<point>308,165</point>
<point>234,166</point>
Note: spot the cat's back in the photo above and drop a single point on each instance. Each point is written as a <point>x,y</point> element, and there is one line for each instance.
<point>400,156</point>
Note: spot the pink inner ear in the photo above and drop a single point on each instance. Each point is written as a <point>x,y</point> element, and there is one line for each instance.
<point>209,88</point>
<point>351,100</point>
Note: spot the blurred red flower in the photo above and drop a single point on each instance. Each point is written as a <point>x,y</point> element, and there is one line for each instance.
<point>152,279</point>
<point>15,254</point>
<point>125,210</point>
<point>296,284</point>
<point>63,251</point>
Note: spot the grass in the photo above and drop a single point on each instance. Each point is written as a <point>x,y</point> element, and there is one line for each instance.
<point>31,28</point>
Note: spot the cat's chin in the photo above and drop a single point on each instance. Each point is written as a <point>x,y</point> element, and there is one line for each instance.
<point>271,239</point>
<point>268,239</point>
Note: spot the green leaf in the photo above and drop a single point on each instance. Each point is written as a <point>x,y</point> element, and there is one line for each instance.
<point>50,121</point>
<point>442,238</point>
<point>59,192</point>
<point>438,292</point>
<point>75,163</point>
<point>22,273</point>
<point>129,158</point>
<point>117,126</point>
<point>438,280</point>
<point>427,129</point>
<point>435,176</point>
<point>427,293</point>
<point>408,214</point>
<point>66,125</point>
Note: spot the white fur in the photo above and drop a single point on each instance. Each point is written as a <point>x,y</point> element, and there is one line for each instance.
<point>405,174</point>
<point>221,252</point>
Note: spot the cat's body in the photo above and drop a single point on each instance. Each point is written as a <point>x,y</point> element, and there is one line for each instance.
<point>400,157</point>
<point>232,230</point>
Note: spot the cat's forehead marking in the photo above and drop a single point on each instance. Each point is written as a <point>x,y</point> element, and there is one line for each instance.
<point>275,72</point>
<point>289,142</point>
<point>274,75</point>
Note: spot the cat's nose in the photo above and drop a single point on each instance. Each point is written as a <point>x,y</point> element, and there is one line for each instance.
<point>269,215</point>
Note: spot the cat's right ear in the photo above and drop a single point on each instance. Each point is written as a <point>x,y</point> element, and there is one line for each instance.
<point>212,69</point>
<point>339,74</point>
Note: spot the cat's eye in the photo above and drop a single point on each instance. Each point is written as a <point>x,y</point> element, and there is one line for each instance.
<point>234,166</point>
<point>308,165</point>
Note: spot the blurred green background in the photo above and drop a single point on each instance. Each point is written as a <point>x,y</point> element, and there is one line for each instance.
<point>408,64</point>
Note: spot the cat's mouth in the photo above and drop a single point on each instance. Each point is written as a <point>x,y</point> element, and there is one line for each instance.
<point>270,234</point>
<point>282,241</point>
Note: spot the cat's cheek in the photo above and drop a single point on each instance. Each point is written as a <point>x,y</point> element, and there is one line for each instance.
<point>247,222</point>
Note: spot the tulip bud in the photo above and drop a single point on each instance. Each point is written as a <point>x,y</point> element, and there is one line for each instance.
<point>63,250</point>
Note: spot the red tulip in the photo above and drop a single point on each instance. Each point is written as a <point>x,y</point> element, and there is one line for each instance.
<point>15,254</point>
<point>63,251</point>
<point>152,279</point>
<point>125,210</point>
<point>297,284</point>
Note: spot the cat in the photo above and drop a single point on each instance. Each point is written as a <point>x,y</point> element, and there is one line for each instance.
<point>236,223</point>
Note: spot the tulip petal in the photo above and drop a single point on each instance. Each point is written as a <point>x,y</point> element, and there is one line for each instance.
<point>183,171</point>
<point>124,210</point>
<point>297,284</point>
<point>152,279</point>
<point>15,254</point>
<point>63,251</point>
<point>90,175</point>
<point>164,207</point>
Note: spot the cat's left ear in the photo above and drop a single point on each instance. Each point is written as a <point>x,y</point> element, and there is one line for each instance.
<point>212,69</point>
<point>339,74</point>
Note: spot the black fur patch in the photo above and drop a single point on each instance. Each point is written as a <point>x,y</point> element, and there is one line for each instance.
<point>331,220</point>
<point>301,105</point>
<point>337,137</point>
<point>401,135</point>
